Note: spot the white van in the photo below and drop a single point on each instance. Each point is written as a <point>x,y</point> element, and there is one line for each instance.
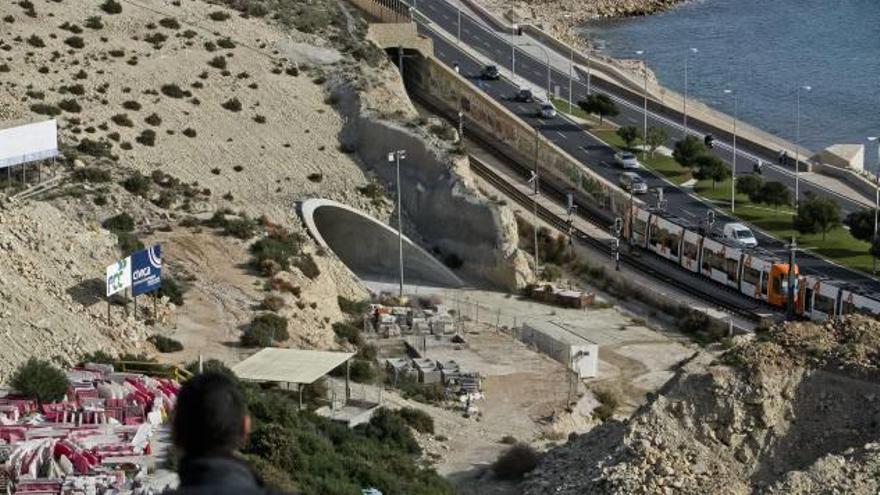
<point>740,234</point>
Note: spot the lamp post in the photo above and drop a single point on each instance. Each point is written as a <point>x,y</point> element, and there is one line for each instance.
<point>641,53</point>
<point>396,156</point>
<point>547,56</point>
<point>570,76</point>
<point>513,28</point>
<point>876,200</point>
<point>797,145</point>
<point>686,57</point>
<point>733,162</point>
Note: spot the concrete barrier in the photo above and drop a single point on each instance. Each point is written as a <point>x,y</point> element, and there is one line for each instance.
<point>384,10</point>
<point>860,183</point>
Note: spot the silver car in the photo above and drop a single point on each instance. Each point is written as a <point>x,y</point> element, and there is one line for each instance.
<point>630,181</point>
<point>546,110</point>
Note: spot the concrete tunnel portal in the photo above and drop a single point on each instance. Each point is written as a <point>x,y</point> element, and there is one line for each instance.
<point>369,248</point>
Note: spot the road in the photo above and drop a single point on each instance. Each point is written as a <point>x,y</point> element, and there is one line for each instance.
<point>597,155</point>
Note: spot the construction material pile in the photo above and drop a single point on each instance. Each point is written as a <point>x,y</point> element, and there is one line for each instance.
<point>795,411</point>
<point>97,440</point>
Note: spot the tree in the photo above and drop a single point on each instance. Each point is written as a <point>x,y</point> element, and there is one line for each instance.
<point>775,194</point>
<point>629,134</point>
<point>600,105</point>
<point>710,167</point>
<point>516,462</point>
<point>861,224</point>
<point>817,214</point>
<point>656,137</point>
<point>688,150</point>
<point>40,380</point>
<point>749,185</point>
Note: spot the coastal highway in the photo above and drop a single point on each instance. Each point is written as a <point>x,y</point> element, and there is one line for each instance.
<point>592,152</point>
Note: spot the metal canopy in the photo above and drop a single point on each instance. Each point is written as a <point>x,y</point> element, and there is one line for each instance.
<point>289,365</point>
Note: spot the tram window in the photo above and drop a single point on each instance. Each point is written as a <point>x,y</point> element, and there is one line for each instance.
<point>765,276</point>
<point>824,304</point>
<point>639,227</point>
<point>781,284</point>
<point>732,266</point>
<point>707,260</point>
<point>751,276</point>
<point>690,250</point>
<point>808,300</point>
<point>673,244</point>
<point>717,262</point>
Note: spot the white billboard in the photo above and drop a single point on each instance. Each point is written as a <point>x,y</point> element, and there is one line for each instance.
<point>118,276</point>
<point>28,143</point>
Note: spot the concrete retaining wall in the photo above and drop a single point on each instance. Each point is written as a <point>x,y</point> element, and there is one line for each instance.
<point>447,91</point>
<point>863,185</point>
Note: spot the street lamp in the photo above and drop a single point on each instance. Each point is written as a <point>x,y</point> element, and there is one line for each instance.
<point>686,56</point>
<point>797,145</point>
<point>513,29</point>
<point>733,163</point>
<point>876,199</point>
<point>641,53</point>
<point>547,56</point>
<point>395,157</point>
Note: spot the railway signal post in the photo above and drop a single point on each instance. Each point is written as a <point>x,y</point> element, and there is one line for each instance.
<point>789,304</point>
<point>615,247</point>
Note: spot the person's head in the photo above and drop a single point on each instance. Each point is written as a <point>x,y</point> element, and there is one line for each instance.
<point>210,416</point>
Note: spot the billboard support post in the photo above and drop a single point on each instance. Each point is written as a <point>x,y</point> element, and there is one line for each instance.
<point>135,299</point>
<point>108,310</point>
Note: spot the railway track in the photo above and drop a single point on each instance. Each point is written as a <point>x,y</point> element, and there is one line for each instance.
<point>680,281</point>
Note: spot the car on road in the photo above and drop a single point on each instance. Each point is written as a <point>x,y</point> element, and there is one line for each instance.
<point>524,95</point>
<point>626,159</point>
<point>491,73</point>
<point>740,234</point>
<point>546,110</point>
<point>632,182</point>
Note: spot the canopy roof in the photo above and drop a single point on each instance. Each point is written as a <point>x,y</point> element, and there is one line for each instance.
<point>289,365</point>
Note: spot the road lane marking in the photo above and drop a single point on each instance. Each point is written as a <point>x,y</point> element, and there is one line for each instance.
<point>561,135</point>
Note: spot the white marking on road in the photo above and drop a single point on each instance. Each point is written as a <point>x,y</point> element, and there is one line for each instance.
<point>522,108</point>
<point>561,135</point>
<point>686,212</point>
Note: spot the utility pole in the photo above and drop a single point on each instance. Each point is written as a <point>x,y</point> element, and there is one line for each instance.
<point>396,156</point>
<point>458,39</point>
<point>618,227</point>
<point>513,28</point>
<point>789,303</point>
<point>797,146</point>
<point>733,162</point>
<point>876,201</point>
<point>570,75</point>
<point>645,110</point>
<point>534,180</point>
<point>686,56</point>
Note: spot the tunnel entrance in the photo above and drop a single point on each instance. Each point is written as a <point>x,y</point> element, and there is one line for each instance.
<point>369,248</point>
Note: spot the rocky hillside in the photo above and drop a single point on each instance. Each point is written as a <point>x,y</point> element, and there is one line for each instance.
<point>796,411</point>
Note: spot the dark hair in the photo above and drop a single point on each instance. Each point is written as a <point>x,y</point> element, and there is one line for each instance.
<point>208,416</point>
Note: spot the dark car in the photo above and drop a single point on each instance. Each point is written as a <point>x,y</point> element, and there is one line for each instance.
<point>490,72</point>
<point>524,95</point>
<point>709,141</point>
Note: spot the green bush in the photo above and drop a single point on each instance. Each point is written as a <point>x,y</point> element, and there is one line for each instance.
<point>91,174</point>
<point>97,149</point>
<point>211,365</point>
<point>169,23</point>
<point>609,401</point>
<point>111,7</point>
<point>128,243</point>
<point>122,120</point>
<point>75,42</point>
<point>516,462</point>
<point>172,290</point>
<point>349,333</point>
<point>241,228</point>
<point>355,308</point>
<point>40,380</point>
<point>165,344</point>
<point>147,137</point>
<point>70,105</point>
<point>218,15</point>
<point>264,330</point>
<point>94,22</point>
<point>390,428</point>
<point>257,336</point>
<point>694,322</point>
<point>279,248</point>
<point>417,419</point>
<point>137,183</point>
<point>233,105</point>
<point>426,393</point>
<point>45,109</point>
<point>122,222</point>
<point>174,91</point>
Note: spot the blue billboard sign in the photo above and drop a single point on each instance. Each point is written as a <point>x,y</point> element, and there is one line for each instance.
<point>146,270</point>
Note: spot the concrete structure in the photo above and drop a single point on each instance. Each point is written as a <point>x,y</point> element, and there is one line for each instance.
<point>427,370</point>
<point>352,413</point>
<point>564,345</point>
<point>847,156</point>
<point>368,247</point>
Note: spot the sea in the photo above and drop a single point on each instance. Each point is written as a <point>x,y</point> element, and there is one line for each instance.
<point>765,50</point>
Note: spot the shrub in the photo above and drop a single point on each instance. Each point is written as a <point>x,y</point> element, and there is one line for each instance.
<point>349,333</point>
<point>122,120</point>
<point>36,95</point>
<point>189,132</point>
<point>165,344</point>
<point>260,119</point>
<point>226,43</point>
<point>45,109</point>
<point>131,105</point>
<point>137,183</point>
<point>516,462</point>
<point>277,323</point>
<point>279,248</point>
<point>188,34</point>
<point>609,401</point>
<point>94,22</point>
<point>111,7</point>
<point>172,290</point>
<point>169,23</point>
<point>218,62</point>
<point>91,174</point>
<point>73,28</point>
<point>97,149</point>
<point>128,243</point>
<point>153,120</point>
<point>257,336</point>
<point>233,105</point>
<point>35,41</point>
<point>147,137</point>
<point>81,75</point>
<point>389,428</point>
<point>75,42</point>
<point>210,46</point>
<point>70,105</point>
<point>350,307</point>
<point>40,380</point>
<point>272,303</point>
<point>417,419</point>
<point>218,15</point>
<point>74,89</point>
<point>241,228</point>
<point>508,440</point>
<point>174,91</point>
<point>122,222</point>
<point>693,322</point>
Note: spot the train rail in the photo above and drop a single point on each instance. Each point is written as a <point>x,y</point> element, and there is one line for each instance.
<point>678,281</point>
